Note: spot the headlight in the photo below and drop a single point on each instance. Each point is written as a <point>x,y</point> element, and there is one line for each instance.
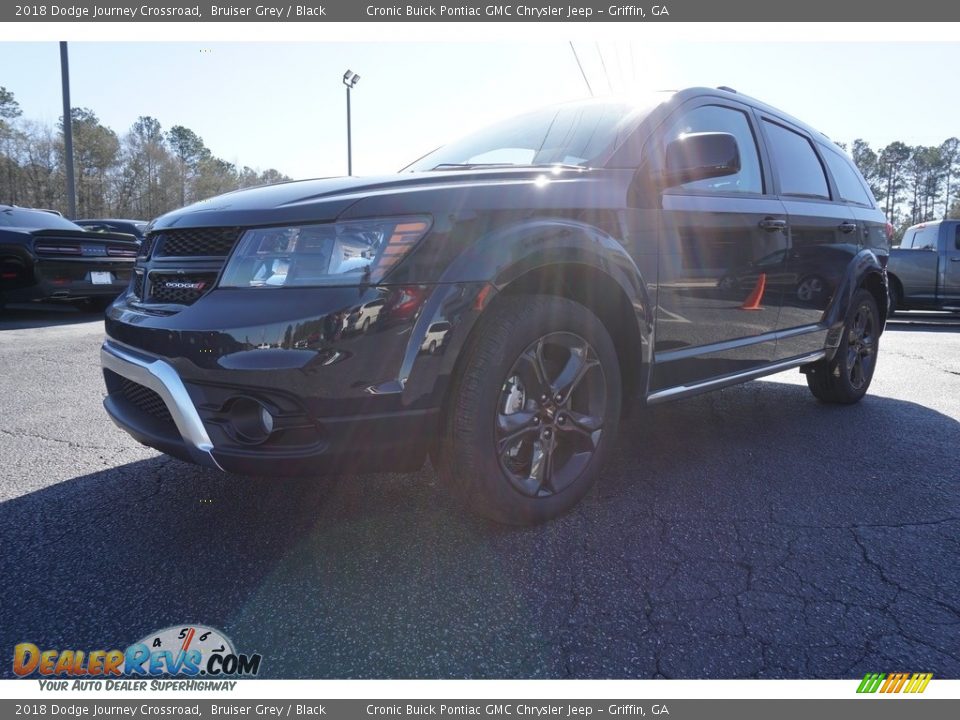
<point>341,253</point>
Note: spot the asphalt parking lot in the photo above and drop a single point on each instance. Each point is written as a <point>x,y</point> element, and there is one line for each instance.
<point>746,533</point>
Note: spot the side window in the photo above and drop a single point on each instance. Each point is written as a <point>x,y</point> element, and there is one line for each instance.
<point>798,167</point>
<point>956,242</point>
<point>923,237</point>
<point>926,238</point>
<point>847,178</point>
<point>714,118</point>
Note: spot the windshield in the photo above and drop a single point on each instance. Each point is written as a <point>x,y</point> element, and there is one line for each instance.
<point>578,134</point>
<point>38,219</point>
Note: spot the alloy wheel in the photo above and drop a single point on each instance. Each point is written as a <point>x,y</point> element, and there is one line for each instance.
<point>861,343</point>
<point>550,413</point>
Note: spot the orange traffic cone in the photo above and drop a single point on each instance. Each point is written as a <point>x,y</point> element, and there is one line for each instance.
<point>753,299</point>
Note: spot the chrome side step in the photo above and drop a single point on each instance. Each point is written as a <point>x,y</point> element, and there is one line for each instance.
<point>682,391</point>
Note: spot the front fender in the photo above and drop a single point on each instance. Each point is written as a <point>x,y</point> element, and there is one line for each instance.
<point>495,261</point>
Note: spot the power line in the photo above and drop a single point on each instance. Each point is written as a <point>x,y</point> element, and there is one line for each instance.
<point>623,79</point>
<point>604,64</point>
<point>577,58</point>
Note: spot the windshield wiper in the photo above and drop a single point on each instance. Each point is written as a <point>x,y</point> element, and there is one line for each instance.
<point>473,166</point>
<point>470,166</point>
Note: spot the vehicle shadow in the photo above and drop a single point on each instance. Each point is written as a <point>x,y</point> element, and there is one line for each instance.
<point>23,316</point>
<point>722,541</point>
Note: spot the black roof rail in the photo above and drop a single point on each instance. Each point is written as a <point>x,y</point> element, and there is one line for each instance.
<point>727,88</point>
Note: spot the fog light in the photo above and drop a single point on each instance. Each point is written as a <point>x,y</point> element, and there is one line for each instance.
<point>250,421</point>
<point>266,419</point>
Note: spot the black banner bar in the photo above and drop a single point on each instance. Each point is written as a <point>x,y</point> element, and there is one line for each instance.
<point>852,709</point>
<point>481,11</point>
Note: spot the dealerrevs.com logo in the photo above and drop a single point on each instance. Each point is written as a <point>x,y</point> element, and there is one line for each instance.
<point>189,651</point>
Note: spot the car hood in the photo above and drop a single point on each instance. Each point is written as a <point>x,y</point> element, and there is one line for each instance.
<point>325,199</point>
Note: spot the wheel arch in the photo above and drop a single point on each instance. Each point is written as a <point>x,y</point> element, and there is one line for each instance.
<point>864,271</point>
<point>597,291</point>
<point>562,257</point>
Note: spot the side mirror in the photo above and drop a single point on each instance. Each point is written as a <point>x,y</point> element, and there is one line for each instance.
<point>699,156</point>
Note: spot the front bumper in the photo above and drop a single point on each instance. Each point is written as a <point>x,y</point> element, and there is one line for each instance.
<point>345,374</point>
<point>163,412</point>
<point>194,443</point>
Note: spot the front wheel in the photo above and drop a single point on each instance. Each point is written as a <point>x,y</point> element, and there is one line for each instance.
<point>846,377</point>
<point>535,410</point>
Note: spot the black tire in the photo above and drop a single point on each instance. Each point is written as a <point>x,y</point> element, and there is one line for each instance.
<point>846,378</point>
<point>512,453</point>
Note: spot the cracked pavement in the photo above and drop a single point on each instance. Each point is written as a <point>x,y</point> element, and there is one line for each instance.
<point>751,532</point>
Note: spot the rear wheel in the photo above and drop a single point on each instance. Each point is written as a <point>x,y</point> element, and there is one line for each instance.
<point>534,411</point>
<point>846,377</point>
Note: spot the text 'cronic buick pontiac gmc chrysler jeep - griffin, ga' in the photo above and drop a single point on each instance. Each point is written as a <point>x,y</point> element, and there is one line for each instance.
<point>499,302</point>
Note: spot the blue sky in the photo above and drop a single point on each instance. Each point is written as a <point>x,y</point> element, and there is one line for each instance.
<point>281,105</point>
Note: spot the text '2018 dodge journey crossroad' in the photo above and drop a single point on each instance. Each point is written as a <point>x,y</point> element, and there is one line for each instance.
<point>500,301</point>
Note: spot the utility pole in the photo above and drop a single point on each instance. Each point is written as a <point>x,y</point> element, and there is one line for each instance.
<point>68,132</point>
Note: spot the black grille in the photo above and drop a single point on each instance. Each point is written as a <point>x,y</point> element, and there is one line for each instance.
<point>199,242</point>
<point>145,399</point>
<point>146,246</point>
<point>179,288</point>
<point>137,285</point>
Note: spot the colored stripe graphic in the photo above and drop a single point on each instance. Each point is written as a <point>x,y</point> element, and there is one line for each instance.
<point>894,682</point>
<point>870,683</point>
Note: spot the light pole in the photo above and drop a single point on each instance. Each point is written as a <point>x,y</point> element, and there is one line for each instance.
<point>350,79</point>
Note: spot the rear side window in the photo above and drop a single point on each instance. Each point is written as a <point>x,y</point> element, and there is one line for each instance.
<point>921,238</point>
<point>847,178</point>
<point>798,166</point>
<point>956,242</point>
<point>714,118</point>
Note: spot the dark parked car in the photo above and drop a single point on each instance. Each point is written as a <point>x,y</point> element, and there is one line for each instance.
<point>46,257</point>
<point>131,227</point>
<point>924,269</point>
<point>570,258</point>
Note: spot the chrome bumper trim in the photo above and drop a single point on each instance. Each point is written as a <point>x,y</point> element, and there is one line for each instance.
<point>159,376</point>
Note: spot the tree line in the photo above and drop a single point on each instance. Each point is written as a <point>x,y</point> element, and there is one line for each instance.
<point>148,171</point>
<point>912,184</point>
<point>141,174</point>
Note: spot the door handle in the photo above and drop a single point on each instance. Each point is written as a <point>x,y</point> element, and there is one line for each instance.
<point>772,224</point>
<point>955,259</point>
<point>847,227</point>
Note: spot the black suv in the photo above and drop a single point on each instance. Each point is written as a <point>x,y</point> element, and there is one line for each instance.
<point>499,302</point>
